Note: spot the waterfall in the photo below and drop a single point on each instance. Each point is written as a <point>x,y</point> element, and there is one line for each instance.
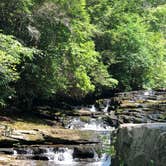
<point>14,152</point>
<point>93,124</point>
<point>61,156</point>
<point>107,106</point>
<point>105,160</point>
<point>148,93</point>
<point>96,124</point>
<point>92,109</point>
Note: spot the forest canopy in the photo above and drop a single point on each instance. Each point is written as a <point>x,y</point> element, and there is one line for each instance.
<point>78,47</point>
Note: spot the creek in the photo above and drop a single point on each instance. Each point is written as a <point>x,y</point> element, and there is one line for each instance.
<point>72,155</point>
<point>133,107</point>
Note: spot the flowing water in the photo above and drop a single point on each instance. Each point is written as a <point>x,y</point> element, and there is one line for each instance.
<point>64,156</point>
<point>146,106</point>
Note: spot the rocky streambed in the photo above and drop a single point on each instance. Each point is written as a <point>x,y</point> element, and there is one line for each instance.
<point>84,135</point>
<point>79,139</point>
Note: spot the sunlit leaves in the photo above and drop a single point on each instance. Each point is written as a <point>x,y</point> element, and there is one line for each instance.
<point>129,37</point>
<point>11,55</point>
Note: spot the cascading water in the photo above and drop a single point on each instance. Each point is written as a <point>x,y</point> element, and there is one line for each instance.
<point>107,106</point>
<point>61,156</point>
<point>105,160</point>
<point>92,124</point>
<point>93,120</point>
<point>103,130</point>
<point>93,109</point>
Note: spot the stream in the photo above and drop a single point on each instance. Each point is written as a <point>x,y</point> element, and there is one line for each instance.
<point>72,155</point>
<point>137,107</point>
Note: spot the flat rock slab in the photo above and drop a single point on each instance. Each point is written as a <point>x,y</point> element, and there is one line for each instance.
<point>49,137</point>
<point>160,126</point>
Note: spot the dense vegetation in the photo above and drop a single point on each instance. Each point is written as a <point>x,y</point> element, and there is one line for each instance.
<point>73,48</point>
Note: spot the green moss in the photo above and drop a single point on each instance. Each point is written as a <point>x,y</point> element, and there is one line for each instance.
<point>85,119</point>
<point>119,110</point>
<point>163,116</point>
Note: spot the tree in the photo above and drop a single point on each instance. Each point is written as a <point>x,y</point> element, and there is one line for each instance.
<point>129,44</point>
<point>11,54</point>
<point>66,40</point>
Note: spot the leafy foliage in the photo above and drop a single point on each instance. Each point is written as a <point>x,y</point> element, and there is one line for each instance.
<point>129,36</point>
<point>85,46</point>
<point>11,55</point>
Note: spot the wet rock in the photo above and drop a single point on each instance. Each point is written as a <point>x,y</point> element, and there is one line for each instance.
<point>38,157</point>
<point>84,112</point>
<point>101,104</point>
<point>39,150</point>
<point>31,156</point>
<point>141,144</point>
<point>6,142</point>
<point>21,151</point>
<point>140,106</point>
<point>6,151</point>
<point>83,152</point>
<point>112,121</point>
<point>48,137</point>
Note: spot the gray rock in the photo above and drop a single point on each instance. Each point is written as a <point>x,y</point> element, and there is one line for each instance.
<point>39,157</point>
<point>6,151</point>
<point>140,106</point>
<point>141,144</point>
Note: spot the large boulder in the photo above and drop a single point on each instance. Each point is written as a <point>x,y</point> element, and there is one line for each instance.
<point>141,145</point>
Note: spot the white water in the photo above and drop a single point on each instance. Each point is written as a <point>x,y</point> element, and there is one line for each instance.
<point>149,93</point>
<point>93,124</point>
<point>27,151</point>
<point>96,126</point>
<point>62,156</point>
<point>103,129</point>
<point>93,109</point>
<point>107,106</point>
<point>14,152</point>
<point>105,110</point>
<point>105,160</point>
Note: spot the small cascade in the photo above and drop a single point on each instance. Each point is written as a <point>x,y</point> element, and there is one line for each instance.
<point>92,124</point>
<point>96,124</point>
<point>105,160</point>
<point>102,129</point>
<point>70,156</point>
<point>62,155</point>
<point>23,152</point>
<point>93,109</point>
<point>57,156</point>
<point>135,106</point>
<point>146,93</point>
<point>107,106</point>
<point>75,123</point>
<point>14,152</point>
